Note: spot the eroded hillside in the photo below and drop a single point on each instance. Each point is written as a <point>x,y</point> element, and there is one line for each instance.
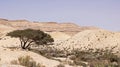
<point>69,28</point>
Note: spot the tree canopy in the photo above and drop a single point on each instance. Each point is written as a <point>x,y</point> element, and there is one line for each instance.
<point>28,36</point>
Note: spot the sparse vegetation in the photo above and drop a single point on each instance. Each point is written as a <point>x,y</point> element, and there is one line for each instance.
<point>29,36</point>
<point>89,57</point>
<point>50,52</point>
<point>95,58</point>
<point>26,61</point>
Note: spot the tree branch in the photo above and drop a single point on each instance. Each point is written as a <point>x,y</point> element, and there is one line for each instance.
<point>21,42</point>
<point>29,44</point>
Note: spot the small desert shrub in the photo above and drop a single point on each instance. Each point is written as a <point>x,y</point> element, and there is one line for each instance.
<point>102,64</point>
<point>78,62</point>
<point>50,52</point>
<point>60,65</point>
<point>14,62</point>
<point>92,57</point>
<point>26,61</point>
<point>95,57</point>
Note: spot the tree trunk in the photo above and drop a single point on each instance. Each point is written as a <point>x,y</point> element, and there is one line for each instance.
<point>23,47</point>
<point>24,44</point>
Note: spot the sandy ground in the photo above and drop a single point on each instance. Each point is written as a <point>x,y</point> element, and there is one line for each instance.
<point>8,55</point>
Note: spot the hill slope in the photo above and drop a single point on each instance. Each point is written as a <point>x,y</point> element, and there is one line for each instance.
<point>93,39</point>
<point>69,28</point>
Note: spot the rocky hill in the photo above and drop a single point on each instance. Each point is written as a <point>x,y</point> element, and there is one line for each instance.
<point>69,28</point>
<point>100,39</point>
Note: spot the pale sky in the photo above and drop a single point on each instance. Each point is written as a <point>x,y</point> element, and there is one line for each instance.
<point>100,13</point>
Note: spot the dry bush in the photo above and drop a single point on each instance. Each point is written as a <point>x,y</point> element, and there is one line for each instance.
<point>92,57</point>
<point>26,61</point>
<point>15,62</point>
<point>95,57</point>
<point>50,52</point>
<point>60,65</point>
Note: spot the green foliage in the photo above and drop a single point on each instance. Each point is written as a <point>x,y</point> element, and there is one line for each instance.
<point>28,36</point>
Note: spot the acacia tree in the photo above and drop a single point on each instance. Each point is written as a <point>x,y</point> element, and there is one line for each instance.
<point>28,36</point>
